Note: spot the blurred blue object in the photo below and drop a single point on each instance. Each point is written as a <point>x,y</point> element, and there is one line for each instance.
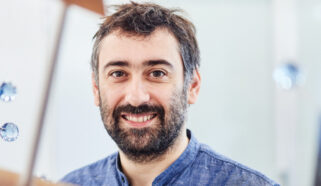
<point>7,92</point>
<point>287,76</point>
<point>9,132</point>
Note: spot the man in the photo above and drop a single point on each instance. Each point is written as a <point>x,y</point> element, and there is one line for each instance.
<point>145,65</point>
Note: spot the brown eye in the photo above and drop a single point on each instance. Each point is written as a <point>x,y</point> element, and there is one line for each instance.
<point>118,74</point>
<point>157,74</point>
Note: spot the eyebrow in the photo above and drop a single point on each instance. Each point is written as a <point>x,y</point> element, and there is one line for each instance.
<point>146,63</point>
<point>158,62</point>
<point>116,63</point>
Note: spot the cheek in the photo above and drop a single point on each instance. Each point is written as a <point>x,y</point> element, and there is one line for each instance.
<point>159,91</point>
<point>110,95</point>
<point>163,96</point>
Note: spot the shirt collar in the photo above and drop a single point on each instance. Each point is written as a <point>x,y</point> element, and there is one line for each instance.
<point>185,159</point>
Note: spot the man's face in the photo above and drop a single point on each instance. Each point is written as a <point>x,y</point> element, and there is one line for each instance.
<point>140,92</point>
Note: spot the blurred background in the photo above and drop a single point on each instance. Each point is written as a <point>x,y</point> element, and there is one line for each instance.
<point>259,104</point>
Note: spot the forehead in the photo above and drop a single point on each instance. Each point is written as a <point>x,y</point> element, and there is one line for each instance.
<point>160,44</point>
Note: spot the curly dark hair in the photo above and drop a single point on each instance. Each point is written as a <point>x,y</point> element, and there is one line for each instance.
<point>141,19</point>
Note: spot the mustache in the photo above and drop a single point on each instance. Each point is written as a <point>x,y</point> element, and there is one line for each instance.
<point>144,108</point>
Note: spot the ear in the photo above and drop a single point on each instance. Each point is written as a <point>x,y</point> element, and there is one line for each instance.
<point>194,87</point>
<point>95,89</point>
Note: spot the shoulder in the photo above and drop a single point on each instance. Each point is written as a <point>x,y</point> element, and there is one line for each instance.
<point>224,170</point>
<point>92,173</point>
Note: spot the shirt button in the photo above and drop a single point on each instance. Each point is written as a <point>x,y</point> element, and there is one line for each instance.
<point>123,179</point>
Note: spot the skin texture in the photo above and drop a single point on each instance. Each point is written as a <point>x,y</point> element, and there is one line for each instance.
<point>127,77</point>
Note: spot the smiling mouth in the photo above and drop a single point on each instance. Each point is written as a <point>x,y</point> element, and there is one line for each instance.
<point>139,118</point>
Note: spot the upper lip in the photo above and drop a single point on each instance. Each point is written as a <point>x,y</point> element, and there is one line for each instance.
<point>138,115</point>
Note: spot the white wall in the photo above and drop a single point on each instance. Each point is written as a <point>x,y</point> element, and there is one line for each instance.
<point>310,100</point>
<point>23,51</point>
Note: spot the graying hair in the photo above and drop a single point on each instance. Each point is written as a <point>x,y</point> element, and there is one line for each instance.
<point>136,19</point>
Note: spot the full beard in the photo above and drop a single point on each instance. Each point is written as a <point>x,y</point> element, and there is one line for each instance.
<point>148,143</point>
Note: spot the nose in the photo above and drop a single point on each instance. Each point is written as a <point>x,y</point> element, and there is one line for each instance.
<point>136,93</point>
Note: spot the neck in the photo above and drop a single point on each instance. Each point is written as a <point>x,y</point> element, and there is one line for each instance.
<point>143,174</point>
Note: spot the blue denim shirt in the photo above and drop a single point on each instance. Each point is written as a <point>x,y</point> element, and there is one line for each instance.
<point>198,165</point>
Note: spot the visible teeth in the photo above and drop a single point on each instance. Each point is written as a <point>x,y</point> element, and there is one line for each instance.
<point>138,119</point>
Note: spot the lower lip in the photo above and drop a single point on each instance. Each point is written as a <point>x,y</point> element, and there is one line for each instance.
<point>139,124</point>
